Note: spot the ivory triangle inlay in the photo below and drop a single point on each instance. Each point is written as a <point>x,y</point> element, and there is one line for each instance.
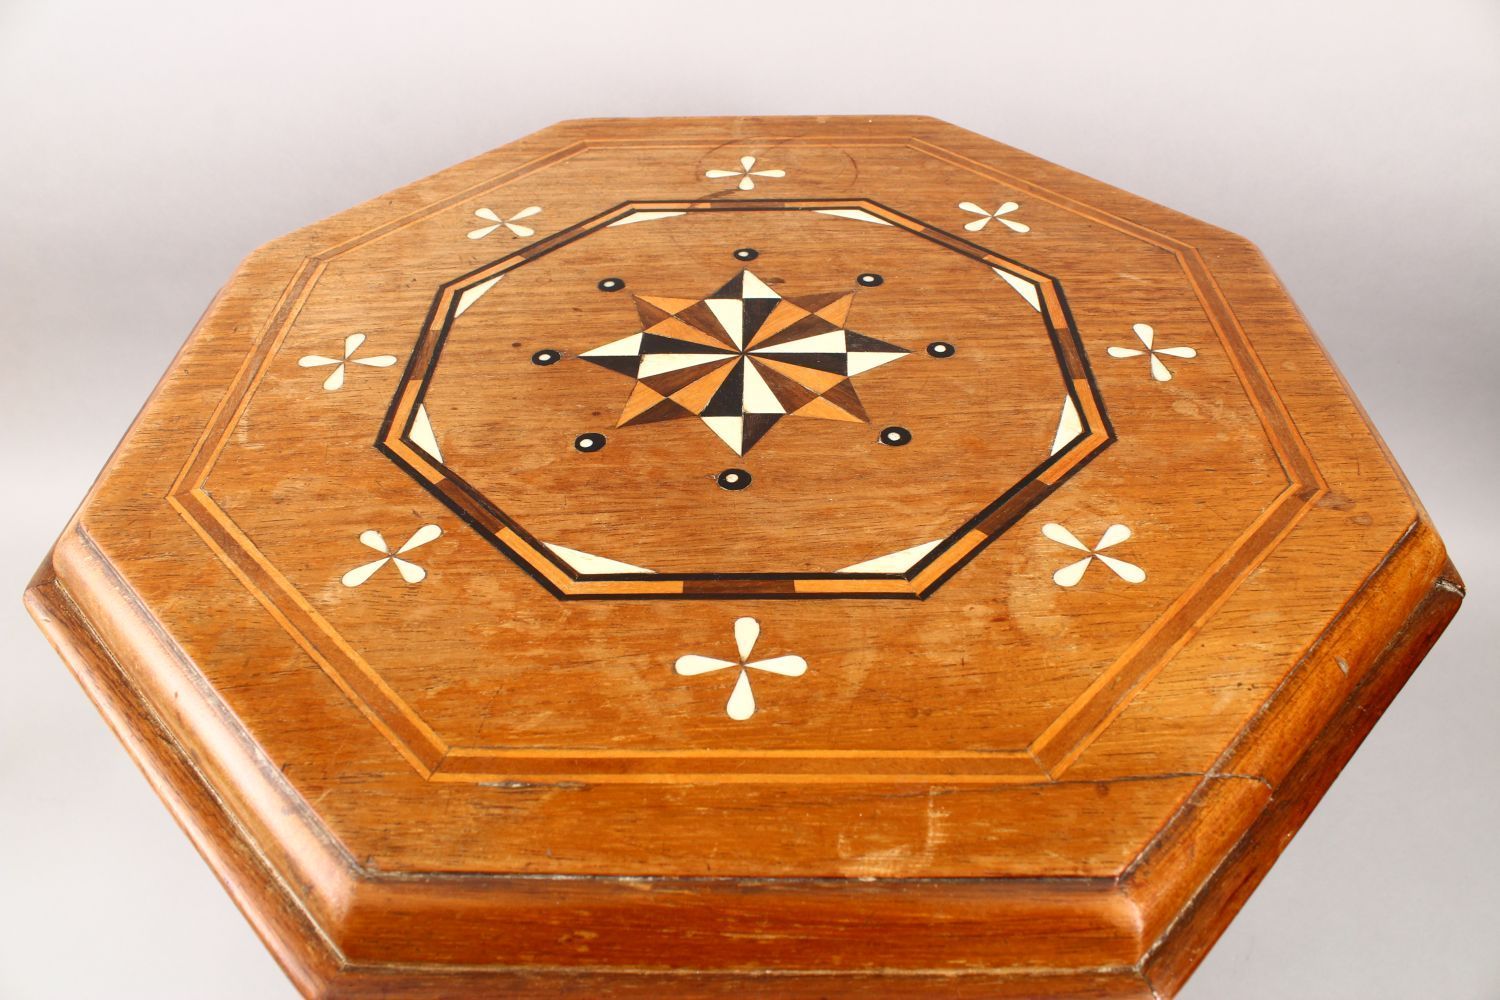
<point>857,214</point>
<point>1027,289</point>
<point>645,217</point>
<point>1069,427</point>
<point>472,295</point>
<point>894,562</point>
<point>422,435</point>
<point>587,562</point>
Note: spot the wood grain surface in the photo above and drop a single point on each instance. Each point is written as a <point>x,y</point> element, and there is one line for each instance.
<point>696,554</point>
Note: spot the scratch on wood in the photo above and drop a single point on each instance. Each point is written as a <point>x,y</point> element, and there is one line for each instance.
<point>511,786</point>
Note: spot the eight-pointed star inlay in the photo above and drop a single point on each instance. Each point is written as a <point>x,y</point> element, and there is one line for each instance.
<point>743,358</point>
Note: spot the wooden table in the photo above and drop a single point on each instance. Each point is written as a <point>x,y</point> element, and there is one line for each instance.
<point>797,555</point>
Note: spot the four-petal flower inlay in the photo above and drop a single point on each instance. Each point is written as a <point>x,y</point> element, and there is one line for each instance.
<point>1147,335</point>
<point>513,223</point>
<point>1070,574</point>
<point>986,217</point>
<point>335,379</point>
<point>747,173</point>
<point>410,571</point>
<point>741,704</point>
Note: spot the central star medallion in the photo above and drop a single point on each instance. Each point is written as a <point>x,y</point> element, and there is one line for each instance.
<point>743,358</point>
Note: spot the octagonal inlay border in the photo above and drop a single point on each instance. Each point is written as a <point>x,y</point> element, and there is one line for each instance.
<point>565,581</point>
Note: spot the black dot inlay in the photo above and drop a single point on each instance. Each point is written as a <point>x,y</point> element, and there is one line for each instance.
<point>611,284</point>
<point>746,253</point>
<point>940,349</point>
<point>895,436</point>
<point>870,280</point>
<point>733,479</point>
<point>547,357</point>
<point>589,442</point>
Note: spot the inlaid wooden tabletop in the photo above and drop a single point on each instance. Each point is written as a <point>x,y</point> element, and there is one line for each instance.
<point>805,555</point>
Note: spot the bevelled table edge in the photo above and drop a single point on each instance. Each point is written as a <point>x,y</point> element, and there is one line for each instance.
<point>271,908</point>
<point>1183,918</point>
<point>1172,939</point>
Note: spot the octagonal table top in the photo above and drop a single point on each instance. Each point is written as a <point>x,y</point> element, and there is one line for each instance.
<point>692,551</point>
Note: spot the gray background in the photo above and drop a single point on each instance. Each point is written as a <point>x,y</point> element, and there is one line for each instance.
<point>145,147</point>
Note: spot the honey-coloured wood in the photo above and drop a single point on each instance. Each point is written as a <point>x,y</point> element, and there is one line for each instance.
<point>811,555</point>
